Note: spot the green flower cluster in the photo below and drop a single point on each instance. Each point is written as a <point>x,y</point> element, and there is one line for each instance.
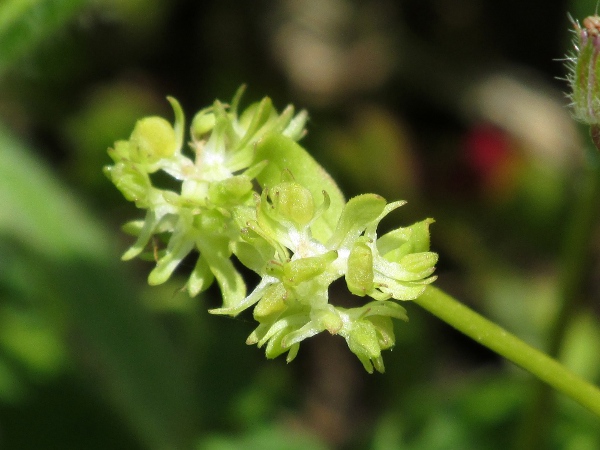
<point>248,190</point>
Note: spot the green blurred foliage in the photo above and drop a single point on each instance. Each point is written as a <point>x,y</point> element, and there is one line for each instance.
<point>91,357</point>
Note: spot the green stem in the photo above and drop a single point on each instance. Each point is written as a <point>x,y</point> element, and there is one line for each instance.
<point>512,348</point>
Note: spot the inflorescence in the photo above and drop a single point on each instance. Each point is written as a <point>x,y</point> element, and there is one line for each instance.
<point>247,190</point>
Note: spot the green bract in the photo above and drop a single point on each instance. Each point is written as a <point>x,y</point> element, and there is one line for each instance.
<point>246,190</point>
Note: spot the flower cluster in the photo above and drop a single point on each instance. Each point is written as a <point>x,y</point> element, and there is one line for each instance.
<point>249,191</point>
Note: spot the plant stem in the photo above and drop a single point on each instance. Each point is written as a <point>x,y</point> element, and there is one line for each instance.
<point>512,348</point>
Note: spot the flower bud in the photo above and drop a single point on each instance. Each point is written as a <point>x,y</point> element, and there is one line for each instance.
<point>202,124</point>
<point>293,201</point>
<point>585,74</point>
<point>359,275</point>
<point>153,138</point>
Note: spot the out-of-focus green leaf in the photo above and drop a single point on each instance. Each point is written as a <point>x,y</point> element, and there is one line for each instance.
<point>39,212</point>
<point>581,346</point>
<point>263,439</point>
<point>66,254</point>
<point>108,114</point>
<point>24,24</point>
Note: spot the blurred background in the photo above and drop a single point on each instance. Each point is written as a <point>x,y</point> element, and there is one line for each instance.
<point>457,106</point>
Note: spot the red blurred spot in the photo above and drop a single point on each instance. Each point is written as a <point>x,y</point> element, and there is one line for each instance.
<point>487,150</point>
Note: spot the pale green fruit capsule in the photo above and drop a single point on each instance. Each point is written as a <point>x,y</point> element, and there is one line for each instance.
<point>359,275</point>
<point>152,139</point>
<point>202,124</point>
<point>293,201</point>
<point>363,342</point>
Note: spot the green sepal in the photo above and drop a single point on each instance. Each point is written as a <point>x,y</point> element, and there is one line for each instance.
<point>385,308</point>
<point>295,128</point>
<point>419,266</point>
<point>177,250</point>
<point>201,277</point>
<point>120,151</point>
<point>400,290</point>
<point>271,225</point>
<point>133,227</point>
<point>179,125</point>
<point>272,304</point>
<point>322,318</point>
<point>255,255</point>
<point>134,184</point>
<point>402,241</point>
<point>384,327</point>
<point>231,283</point>
<point>255,296</point>
<point>144,235</point>
<point>304,269</point>
<point>254,117</point>
<point>276,332</point>
<point>359,212</point>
